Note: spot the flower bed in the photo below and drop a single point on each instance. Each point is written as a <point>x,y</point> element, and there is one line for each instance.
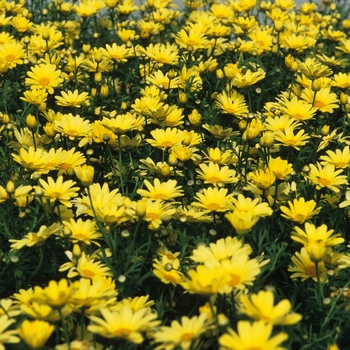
<point>174,179</point>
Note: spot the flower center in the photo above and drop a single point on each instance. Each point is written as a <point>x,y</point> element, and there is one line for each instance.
<point>311,271</point>
<point>319,104</point>
<point>44,81</point>
<point>213,179</point>
<point>80,237</point>
<point>88,273</point>
<point>153,216</point>
<point>187,336</point>
<point>234,280</point>
<point>122,332</point>
<point>323,181</point>
<point>166,144</point>
<point>160,196</point>
<point>10,58</point>
<point>213,206</point>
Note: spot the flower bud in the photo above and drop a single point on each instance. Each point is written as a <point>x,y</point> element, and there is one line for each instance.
<point>10,187</point>
<point>343,98</point>
<point>85,173</point>
<point>195,117</point>
<point>31,121</point>
<point>104,91</point>
<point>182,97</point>
<point>267,139</point>
<point>325,130</point>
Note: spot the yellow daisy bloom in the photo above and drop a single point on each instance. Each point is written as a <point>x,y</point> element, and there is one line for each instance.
<point>182,335</point>
<point>248,78</point>
<point>260,307</point>
<point>123,324</point>
<point>73,126</point>
<point>206,280</point>
<point>300,210</point>
<point>219,132</point>
<point>163,191</point>
<point>233,104</point>
<point>327,177</point>
<point>44,76</point>
<point>298,42</point>
<point>298,109</point>
<point>33,238</point>
<point>116,53</point>
<point>341,80</point>
<point>287,138</point>
<point>256,335</point>
<point>21,23</point>
<point>222,249</point>
<point>31,159</point>
<point>313,68</point>
<point>35,97</point>
<point>242,221</point>
<point>167,273</point>
<point>324,101</point>
<point>72,99</point>
<point>253,206</point>
<point>59,190</point>
<point>156,212</point>
<point>35,333</point>
<point>339,158</point>
<point>82,231</point>
<point>262,39</point>
<point>213,199</point>
<point>7,336</point>
<point>192,38</point>
<point>217,156</point>
<point>263,178</point>
<point>56,294</point>
<point>213,174</point>
<point>304,268</point>
<point>12,53</point>
<point>163,53</point>
<point>280,167</point>
<point>166,138</point>
<point>344,46</point>
<point>123,123</point>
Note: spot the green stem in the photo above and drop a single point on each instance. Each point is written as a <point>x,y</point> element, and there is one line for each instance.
<point>120,166</point>
<point>41,258</point>
<point>65,329</point>
<point>215,318</point>
<point>319,289</point>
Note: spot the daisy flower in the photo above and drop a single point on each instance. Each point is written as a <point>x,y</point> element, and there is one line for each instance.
<point>298,109</point>
<point>280,167</point>
<point>213,199</point>
<point>59,190</point>
<point>234,104</point>
<point>73,126</point>
<point>35,333</point>
<point>242,221</point>
<point>163,191</point>
<point>300,210</point>
<point>304,268</point>
<point>167,273</point>
<point>157,211</point>
<point>339,158</point>
<point>327,177</point>
<point>13,53</point>
<point>261,306</point>
<point>211,173</point>
<point>253,206</point>
<point>72,99</point>
<point>44,76</point>
<point>123,324</point>
<point>323,100</point>
<point>256,335</point>
<point>166,138</point>
<point>248,78</point>
<point>116,53</point>
<point>7,336</point>
<point>287,137</point>
<point>182,334</point>
<point>82,231</point>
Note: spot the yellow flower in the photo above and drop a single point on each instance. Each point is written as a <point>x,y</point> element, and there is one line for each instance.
<point>327,177</point>
<point>316,239</point>
<point>249,336</point>
<point>166,138</point>
<point>262,38</point>
<point>56,294</point>
<point>35,97</point>
<point>253,206</point>
<point>182,335</point>
<point>123,123</point>
<point>215,155</point>
<point>21,23</point>
<point>215,175</point>
<point>163,191</point>
<point>116,53</point>
<point>85,173</point>
<point>287,138</point>
<point>280,167</point>
<point>166,272</point>
<point>72,98</point>
<point>123,324</point>
<point>222,249</point>
<point>31,159</point>
<point>324,100</point>
<point>31,239</point>
<point>298,42</point>
<point>248,78</point>
<point>341,80</point>
<point>300,210</point>
<point>7,336</point>
<point>261,307</point>
<point>339,158</point>
<point>242,221</point>
<point>191,38</point>
<point>59,190</point>
<point>157,211</point>
<point>298,109</point>
<point>163,53</point>
<point>13,53</point>
<point>44,76</point>
<point>206,280</point>
<point>219,132</point>
<point>35,333</point>
<point>263,178</point>
<point>73,126</point>
<point>313,69</point>
<point>82,231</point>
<point>213,199</point>
<point>233,104</point>
<point>304,268</point>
